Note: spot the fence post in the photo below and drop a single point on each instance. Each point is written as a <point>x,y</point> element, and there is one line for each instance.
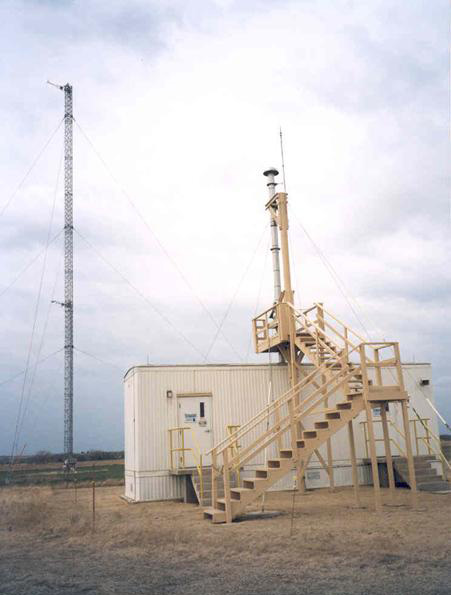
<point>93,506</point>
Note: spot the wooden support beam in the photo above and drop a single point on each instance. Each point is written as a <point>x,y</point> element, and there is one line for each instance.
<point>226,473</point>
<point>405,419</point>
<point>355,474</point>
<point>373,455</point>
<point>410,462</point>
<point>371,440</point>
<point>388,457</point>
<point>300,475</point>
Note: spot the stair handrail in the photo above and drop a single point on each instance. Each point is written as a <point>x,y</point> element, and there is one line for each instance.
<point>355,333</point>
<point>301,314</point>
<point>319,331</point>
<point>282,426</point>
<point>303,409</point>
<point>276,404</point>
<point>439,451</point>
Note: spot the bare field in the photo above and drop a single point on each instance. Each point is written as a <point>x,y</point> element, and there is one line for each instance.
<point>47,546</point>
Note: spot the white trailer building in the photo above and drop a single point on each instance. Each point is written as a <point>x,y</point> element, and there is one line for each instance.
<point>208,398</point>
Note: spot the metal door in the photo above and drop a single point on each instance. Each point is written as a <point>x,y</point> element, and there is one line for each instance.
<point>194,412</point>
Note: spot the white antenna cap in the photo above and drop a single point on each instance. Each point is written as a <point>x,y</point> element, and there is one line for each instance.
<point>272,171</point>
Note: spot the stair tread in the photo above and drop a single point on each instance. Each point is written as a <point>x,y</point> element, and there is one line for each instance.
<point>214,511</point>
<point>239,490</point>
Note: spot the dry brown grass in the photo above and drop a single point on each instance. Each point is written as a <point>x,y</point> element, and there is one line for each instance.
<point>166,547</point>
<point>24,509</point>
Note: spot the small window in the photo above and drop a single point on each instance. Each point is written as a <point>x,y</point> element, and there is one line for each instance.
<point>202,409</point>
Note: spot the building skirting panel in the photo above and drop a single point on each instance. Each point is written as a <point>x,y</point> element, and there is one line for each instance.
<point>151,487</point>
<point>154,486</point>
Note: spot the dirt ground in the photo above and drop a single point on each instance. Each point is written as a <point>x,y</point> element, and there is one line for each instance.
<point>47,546</point>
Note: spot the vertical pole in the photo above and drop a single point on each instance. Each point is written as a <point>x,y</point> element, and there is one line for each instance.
<point>405,419</point>
<point>355,476</point>
<point>415,432</point>
<point>365,423</point>
<point>428,436</point>
<point>372,442</point>
<point>410,462</point>
<point>377,360</point>
<point>388,457</point>
<point>293,432</point>
<point>374,466</point>
<point>93,506</point>
<point>214,479</point>
<point>68,274</point>
<point>228,503</point>
<point>300,475</point>
<point>201,479</point>
<point>275,249</point>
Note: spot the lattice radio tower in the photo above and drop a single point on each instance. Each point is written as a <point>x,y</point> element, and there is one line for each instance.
<point>68,303</point>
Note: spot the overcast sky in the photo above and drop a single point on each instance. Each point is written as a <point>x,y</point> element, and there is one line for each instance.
<point>182,103</point>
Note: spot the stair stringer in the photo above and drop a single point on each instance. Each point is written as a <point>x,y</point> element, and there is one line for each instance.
<point>268,476</point>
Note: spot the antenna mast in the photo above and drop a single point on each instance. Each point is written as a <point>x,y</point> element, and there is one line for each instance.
<point>68,275</point>
<point>68,303</point>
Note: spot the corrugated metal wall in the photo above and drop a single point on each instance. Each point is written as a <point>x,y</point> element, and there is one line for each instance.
<point>238,393</point>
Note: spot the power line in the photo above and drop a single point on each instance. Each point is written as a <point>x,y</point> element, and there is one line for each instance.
<point>31,262</point>
<point>283,160</point>
<point>342,290</point>
<point>34,162</point>
<point>22,410</point>
<point>259,295</point>
<point>99,359</point>
<point>12,378</point>
<point>332,272</point>
<point>227,311</point>
<point>156,238</point>
<point>144,297</point>
<point>44,329</point>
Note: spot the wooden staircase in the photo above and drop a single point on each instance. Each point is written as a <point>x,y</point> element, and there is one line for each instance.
<point>265,477</point>
<point>304,418</point>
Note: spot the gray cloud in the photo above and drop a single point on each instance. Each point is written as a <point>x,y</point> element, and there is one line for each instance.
<point>183,101</point>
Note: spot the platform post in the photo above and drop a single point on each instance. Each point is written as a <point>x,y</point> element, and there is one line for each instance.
<point>388,457</point>
<point>228,503</point>
<point>410,461</point>
<point>372,442</point>
<point>355,475</point>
